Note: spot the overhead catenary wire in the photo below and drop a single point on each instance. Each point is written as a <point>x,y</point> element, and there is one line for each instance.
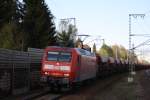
<point>143,26</point>
<point>141,44</point>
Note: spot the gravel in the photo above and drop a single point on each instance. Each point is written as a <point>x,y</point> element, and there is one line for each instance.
<point>116,88</point>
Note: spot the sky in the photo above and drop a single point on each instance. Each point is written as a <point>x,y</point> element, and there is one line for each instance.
<point>108,19</point>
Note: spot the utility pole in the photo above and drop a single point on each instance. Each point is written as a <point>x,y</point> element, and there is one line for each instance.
<point>64,23</point>
<point>131,71</point>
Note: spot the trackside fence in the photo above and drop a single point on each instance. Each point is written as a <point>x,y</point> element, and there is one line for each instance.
<point>19,71</point>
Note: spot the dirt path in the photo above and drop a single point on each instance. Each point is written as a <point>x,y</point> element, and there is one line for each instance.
<point>144,81</point>
<point>116,88</point>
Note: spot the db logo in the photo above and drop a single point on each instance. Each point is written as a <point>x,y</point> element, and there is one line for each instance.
<point>57,64</point>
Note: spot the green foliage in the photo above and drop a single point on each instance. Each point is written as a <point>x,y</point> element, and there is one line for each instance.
<point>120,51</point>
<point>11,37</point>
<point>123,53</point>
<point>7,11</point>
<point>10,11</point>
<point>26,24</point>
<point>65,38</point>
<point>106,50</point>
<point>116,51</point>
<point>38,24</point>
<point>6,37</point>
<point>10,34</point>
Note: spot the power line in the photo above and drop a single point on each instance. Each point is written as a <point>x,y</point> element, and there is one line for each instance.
<point>141,44</point>
<point>147,12</point>
<point>139,34</point>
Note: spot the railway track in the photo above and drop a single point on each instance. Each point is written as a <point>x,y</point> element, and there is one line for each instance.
<point>94,88</point>
<point>49,96</point>
<point>46,94</point>
<point>101,83</point>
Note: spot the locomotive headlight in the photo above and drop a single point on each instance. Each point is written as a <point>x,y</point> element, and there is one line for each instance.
<point>65,68</point>
<point>46,66</point>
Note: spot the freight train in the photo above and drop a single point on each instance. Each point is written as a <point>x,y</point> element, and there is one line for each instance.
<point>62,66</point>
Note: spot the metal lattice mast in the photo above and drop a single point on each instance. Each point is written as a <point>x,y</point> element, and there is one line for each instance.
<point>64,25</point>
<point>131,50</point>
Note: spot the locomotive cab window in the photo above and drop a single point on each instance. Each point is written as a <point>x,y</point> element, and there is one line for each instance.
<point>65,56</point>
<point>59,56</point>
<point>52,56</point>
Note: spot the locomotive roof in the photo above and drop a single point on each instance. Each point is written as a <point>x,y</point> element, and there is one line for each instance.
<point>79,50</point>
<point>58,47</point>
<point>84,52</point>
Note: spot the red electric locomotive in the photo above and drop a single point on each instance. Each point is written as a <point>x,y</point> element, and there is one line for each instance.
<point>66,66</point>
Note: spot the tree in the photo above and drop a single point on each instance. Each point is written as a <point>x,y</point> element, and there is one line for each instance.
<point>123,53</point>
<point>6,10</point>
<point>38,25</point>
<point>94,48</point>
<point>10,11</point>
<point>6,36</point>
<point>9,24</point>
<point>106,50</point>
<point>119,52</point>
<point>65,37</point>
<point>116,51</point>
